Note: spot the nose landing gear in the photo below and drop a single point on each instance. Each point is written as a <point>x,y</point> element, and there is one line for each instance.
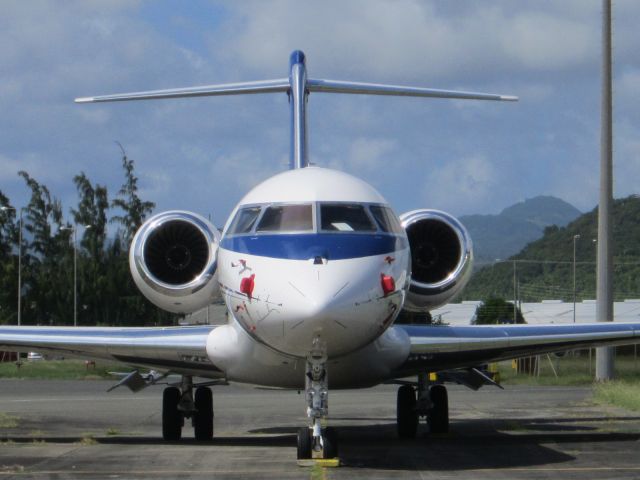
<point>314,440</point>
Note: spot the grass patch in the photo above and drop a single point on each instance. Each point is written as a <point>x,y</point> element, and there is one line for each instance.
<point>12,468</point>
<point>618,393</point>
<point>58,370</point>
<point>88,440</point>
<point>113,431</point>
<point>318,472</point>
<point>571,370</point>
<point>8,421</point>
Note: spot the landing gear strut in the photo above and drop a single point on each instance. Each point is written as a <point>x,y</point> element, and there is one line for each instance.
<point>315,439</point>
<point>180,403</point>
<point>431,401</point>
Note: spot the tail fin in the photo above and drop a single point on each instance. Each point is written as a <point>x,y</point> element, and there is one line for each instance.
<point>297,87</point>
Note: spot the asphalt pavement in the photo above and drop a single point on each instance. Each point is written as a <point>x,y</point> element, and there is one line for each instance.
<point>74,429</point>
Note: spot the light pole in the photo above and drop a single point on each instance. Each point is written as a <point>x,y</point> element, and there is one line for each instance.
<point>4,209</point>
<point>74,229</point>
<point>575,237</point>
<point>515,293</point>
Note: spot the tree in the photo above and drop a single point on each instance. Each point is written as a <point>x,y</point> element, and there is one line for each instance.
<point>494,311</point>
<point>92,213</point>
<point>47,259</point>
<point>414,318</point>
<point>127,200</point>
<point>8,261</point>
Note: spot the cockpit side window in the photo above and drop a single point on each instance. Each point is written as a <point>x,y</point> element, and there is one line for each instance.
<point>287,218</point>
<point>244,221</point>
<point>345,218</point>
<point>386,219</point>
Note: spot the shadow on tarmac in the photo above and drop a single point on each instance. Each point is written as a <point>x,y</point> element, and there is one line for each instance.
<point>470,445</point>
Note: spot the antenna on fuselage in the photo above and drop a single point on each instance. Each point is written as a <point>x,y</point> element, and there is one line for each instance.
<point>297,87</point>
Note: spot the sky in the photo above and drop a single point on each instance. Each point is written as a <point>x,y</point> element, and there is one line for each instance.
<point>204,154</point>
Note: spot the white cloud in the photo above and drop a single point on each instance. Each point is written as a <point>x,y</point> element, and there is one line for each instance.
<point>462,182</point>
<point>627,160</point>
<point>413,39</point>
<point>366,155</point>
<point>545,42</point>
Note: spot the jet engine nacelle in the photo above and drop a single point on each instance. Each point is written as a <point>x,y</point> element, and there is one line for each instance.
<point>173,261</point>
<point>441,258</point>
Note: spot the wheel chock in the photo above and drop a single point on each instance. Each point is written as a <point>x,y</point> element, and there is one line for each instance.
<point>320,462</point>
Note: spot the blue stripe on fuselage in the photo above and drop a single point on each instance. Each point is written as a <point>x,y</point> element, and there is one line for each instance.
<point>303,246</point>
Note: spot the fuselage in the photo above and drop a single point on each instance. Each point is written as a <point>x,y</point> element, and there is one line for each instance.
<point>314,259</point>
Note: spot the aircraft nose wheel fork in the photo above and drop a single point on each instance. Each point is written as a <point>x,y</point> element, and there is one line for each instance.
<point>314,439</point>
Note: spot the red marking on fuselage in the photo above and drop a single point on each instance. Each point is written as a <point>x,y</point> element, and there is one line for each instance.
<point>247,285</point>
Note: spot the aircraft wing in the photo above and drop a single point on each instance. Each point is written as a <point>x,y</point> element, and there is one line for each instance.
<point>447,347</point>
<point>175,349</point>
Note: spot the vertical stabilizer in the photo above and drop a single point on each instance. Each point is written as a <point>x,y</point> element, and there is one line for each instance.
<point>298,100</point>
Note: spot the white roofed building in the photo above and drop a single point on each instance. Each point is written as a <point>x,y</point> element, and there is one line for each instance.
<point>547,311</point>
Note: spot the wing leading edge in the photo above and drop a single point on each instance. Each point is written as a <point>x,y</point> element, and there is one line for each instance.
<point>446,347</point>
<point>175,349</point>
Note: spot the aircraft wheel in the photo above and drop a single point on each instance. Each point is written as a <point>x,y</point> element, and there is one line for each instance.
<point>172,418</point>
<point>438,416</point>
<point>330,441</point>
<point>304,443</point>
<point>406,415</point>
<point>203,417</point>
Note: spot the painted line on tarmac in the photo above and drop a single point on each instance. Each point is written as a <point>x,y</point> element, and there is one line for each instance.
<point>73,399</point>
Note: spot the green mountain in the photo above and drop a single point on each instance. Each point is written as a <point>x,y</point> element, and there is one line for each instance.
<point>503,235</point>
<point>544,268</point>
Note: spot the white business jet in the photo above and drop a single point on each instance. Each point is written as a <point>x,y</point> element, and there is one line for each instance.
<point>314,267</point>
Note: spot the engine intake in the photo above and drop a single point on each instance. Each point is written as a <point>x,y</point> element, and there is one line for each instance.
<point>173,261</point>
<point>441,258</point>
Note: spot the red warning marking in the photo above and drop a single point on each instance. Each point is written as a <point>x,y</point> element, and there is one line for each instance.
<point>388,284</point>
<point>247,284</point>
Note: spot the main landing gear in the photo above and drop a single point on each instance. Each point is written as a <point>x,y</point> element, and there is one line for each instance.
<point>429,400</point>
<point>179,403</point>
<point>314,440</point>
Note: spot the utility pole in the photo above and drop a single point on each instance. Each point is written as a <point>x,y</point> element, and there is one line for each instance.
<point>604,302</point>
<point>74,229</point>
<point>575,237</point>
<point>515,293</point>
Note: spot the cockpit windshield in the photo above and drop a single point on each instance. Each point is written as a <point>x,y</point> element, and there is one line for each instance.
<point>286,218</point>
<point>386,219</point>
<point>244,220</point>
<point>345,218</point>
<point>330,218</point>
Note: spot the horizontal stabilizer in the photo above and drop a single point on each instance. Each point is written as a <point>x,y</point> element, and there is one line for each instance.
<point>298,87</point>
<point>335,86</point>
<point>266,86</point>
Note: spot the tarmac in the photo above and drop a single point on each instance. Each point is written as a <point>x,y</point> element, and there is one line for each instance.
<point>74,429</point>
